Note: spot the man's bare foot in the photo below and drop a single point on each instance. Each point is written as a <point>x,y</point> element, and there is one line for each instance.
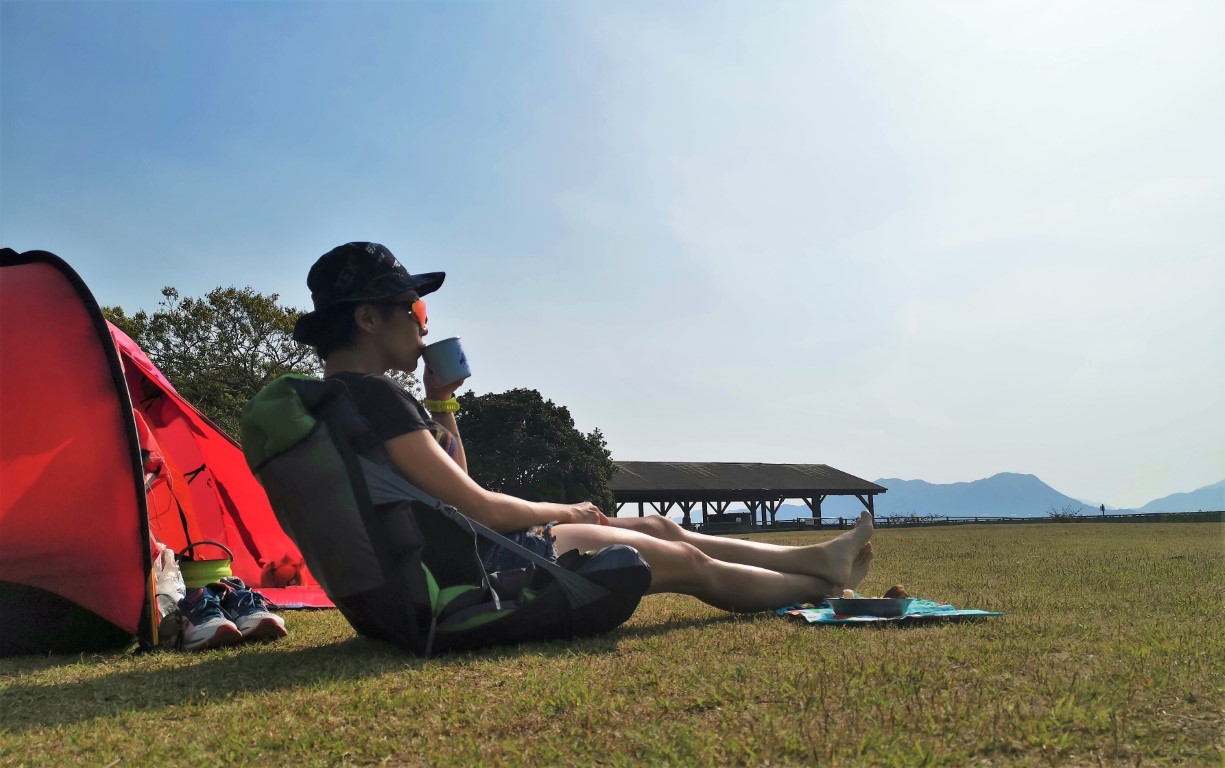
<point>859,568</point>
<point>834,560</point>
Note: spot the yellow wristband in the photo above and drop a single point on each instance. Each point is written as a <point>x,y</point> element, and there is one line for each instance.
<point>441,406</point>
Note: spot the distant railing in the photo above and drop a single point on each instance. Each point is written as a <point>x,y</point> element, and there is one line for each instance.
<point>1135,517</point>
<point>918,521</point>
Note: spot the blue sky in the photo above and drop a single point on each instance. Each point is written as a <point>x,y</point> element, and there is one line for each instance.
<point>931,240</point>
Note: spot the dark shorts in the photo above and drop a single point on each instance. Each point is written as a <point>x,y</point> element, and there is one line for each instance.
<point>538,538</point>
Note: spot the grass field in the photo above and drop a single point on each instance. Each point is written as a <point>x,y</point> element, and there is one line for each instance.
<point>1111,654</point>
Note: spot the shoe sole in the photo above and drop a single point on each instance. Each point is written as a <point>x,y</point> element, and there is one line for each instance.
<point>268,629</point>
<point>225,635</point>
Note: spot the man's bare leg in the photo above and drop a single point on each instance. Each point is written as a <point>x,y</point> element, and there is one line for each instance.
<point>830,560</point>
<point>678,566</point>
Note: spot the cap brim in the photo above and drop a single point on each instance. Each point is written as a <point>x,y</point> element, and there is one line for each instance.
<point>309,328</point>
<point>427,282</point>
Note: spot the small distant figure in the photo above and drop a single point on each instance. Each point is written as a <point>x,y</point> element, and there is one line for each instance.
<point>1103,509</point>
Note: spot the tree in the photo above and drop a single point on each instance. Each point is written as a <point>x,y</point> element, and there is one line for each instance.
<point>521,444</point>
<point>219,350</point>
<point>1067,514</point>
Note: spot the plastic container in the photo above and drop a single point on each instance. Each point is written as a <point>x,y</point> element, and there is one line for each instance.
<point>884,607</point>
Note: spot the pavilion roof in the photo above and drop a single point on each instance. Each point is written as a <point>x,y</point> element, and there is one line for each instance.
<point>646,480</point>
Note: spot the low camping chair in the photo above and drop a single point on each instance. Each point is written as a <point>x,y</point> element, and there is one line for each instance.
<point>401,565</point>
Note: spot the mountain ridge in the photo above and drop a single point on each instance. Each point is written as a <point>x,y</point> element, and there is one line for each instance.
<point>1004,494</point>
<point>1208,498</point>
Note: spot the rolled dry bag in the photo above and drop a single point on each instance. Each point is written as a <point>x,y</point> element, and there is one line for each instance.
<point>197,571</point>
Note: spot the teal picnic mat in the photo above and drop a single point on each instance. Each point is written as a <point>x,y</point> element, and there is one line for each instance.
<point>921,611</point>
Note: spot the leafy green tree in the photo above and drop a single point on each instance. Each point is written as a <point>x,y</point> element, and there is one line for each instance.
<point>219,350</point>
<point>519,443</point>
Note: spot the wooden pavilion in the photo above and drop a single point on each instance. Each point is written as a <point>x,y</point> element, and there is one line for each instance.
<point>714,486</point>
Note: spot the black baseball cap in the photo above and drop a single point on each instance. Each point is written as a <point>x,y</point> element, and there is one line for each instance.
<point>354,273</point>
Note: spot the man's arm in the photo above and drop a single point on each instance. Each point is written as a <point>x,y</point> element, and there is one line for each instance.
<point>419,458</point>
<point>442,393</point>
<point>447,422</point>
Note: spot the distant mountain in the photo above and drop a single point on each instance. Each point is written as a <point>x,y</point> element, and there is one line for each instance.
<point>1007,494</point>
<point>1208,498</point>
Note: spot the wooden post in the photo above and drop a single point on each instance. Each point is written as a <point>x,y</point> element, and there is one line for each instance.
<point>866,501</point>
<point>814,506</point>
<point>686,507</point>
<point>662,507</point>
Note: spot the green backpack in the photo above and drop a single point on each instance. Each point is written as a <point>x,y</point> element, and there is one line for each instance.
<point>401,565</point>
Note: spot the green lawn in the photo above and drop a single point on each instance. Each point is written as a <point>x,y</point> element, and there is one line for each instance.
<point>1111,653</point>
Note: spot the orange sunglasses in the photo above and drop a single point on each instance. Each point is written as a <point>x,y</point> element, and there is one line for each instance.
<point>416,308</point>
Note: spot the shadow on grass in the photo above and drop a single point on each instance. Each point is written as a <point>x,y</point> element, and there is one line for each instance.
<point>216,676</point>
<point>204,677</point>
<point>671,625</point>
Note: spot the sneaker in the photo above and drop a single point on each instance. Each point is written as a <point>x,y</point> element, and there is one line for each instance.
<point>205,624</point>
<point>250,611</point>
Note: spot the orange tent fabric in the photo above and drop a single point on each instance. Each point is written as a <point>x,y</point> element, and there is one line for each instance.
<point>75,519</point>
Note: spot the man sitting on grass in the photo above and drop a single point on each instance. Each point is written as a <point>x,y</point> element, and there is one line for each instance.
<point>370,318</point>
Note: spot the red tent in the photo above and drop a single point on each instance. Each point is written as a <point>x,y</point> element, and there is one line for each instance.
<point>80,506</point>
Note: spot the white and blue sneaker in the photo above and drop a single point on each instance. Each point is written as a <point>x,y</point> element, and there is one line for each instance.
<point>205,624</point>
<point>250,611</point>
